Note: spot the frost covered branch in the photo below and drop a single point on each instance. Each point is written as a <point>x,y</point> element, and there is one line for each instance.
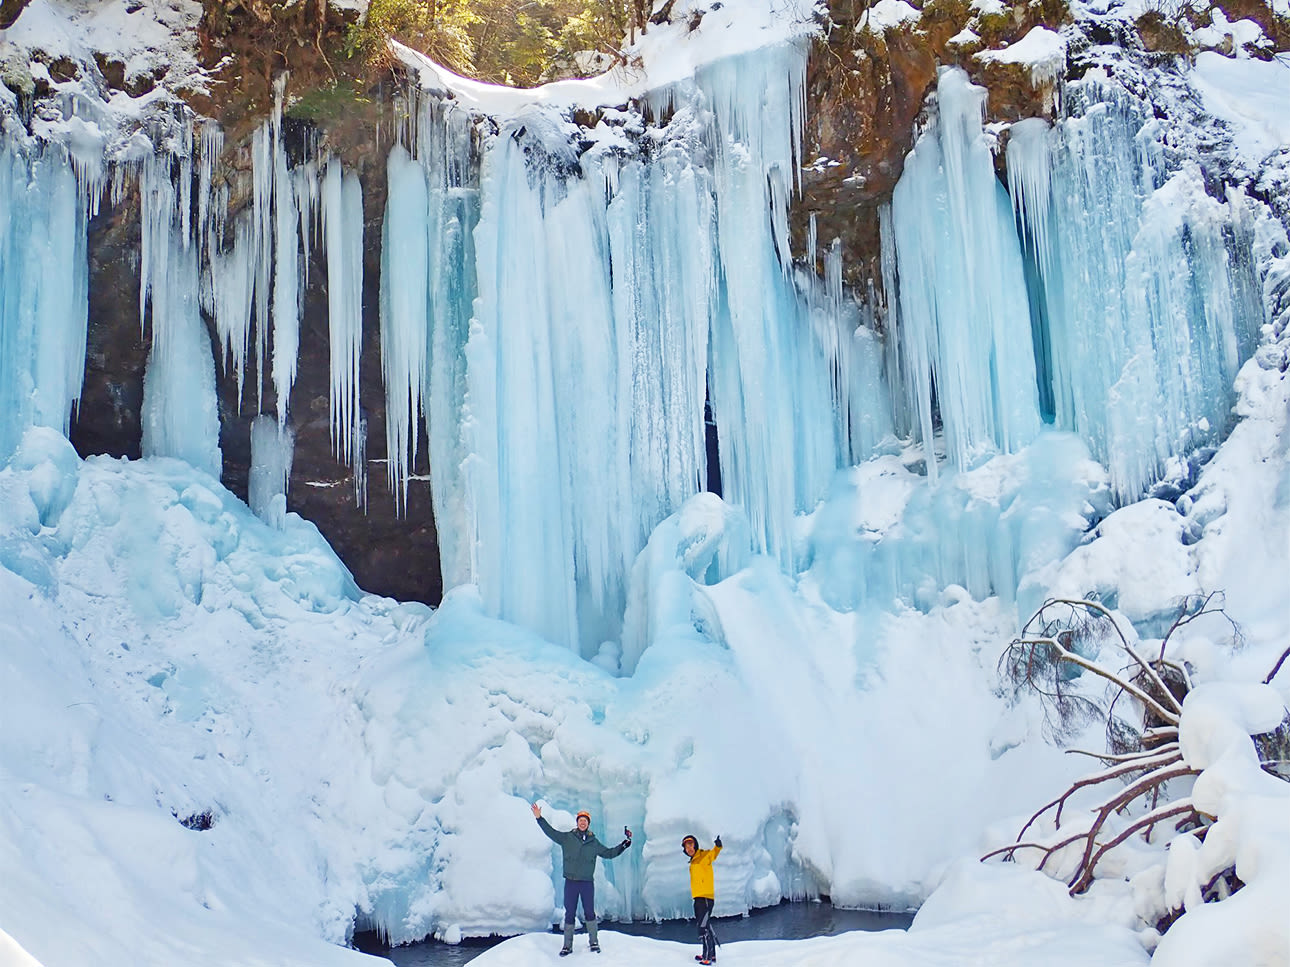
<point>1277,667</point>
<point>1144,824</point>
<point>1064,639</point>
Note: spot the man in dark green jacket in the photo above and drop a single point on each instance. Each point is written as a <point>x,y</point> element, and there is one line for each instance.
<point>579,848</point>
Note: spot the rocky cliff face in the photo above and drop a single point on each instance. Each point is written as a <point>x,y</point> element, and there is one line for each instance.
<point>342,107</point>
<point>868,81</point>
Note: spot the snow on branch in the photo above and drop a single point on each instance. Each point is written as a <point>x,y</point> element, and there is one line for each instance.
<point>1154,774</point>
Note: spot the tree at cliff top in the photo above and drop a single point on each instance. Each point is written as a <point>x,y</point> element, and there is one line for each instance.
<point>517,42</point>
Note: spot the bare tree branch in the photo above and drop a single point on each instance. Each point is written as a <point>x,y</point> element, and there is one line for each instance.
<point>1128,756</point>
<point>1116,803</point>
<point>1277,667</point>
<point>1081,881</point>
<point>1065,654</point>
<point>1124,769</point>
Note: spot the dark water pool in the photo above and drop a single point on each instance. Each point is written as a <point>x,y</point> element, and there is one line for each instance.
<point>788,921</point>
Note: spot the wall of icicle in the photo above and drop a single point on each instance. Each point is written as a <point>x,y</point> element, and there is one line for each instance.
<point>560,307</point>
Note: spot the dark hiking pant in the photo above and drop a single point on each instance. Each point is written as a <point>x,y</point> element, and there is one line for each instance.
<point>707,936</point>
<point>575,890</point>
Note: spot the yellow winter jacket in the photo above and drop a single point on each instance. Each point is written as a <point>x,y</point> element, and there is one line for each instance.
<point>701,872</point>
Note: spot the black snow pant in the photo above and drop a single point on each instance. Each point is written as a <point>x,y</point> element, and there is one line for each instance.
<point>707,936</point>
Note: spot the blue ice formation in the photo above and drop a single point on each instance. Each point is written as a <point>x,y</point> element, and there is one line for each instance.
<point>564,309</point>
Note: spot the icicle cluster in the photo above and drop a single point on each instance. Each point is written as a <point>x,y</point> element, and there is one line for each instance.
<point>1148,292</point>
<point>964,339</point>
<point>44,288</point>
<point>247,276</point>
<point>562,323</point>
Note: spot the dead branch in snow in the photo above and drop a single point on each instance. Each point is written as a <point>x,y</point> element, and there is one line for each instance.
<point>1069,638</point>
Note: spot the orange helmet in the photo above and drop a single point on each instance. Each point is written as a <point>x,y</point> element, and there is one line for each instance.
<point>581,813</point>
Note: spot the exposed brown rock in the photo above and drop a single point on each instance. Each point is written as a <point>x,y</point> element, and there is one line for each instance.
<point>107,420</point>
<point>865,90</point>
<point>9,10</point>
<point>246,44</point>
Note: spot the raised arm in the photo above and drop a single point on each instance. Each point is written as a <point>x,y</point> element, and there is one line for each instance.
<point>706,856</point>
<point>609,852</point>
<point>552,834</point>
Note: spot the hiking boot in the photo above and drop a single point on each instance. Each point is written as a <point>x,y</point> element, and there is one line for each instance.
<point>594,948</point>
<point>568,940</point>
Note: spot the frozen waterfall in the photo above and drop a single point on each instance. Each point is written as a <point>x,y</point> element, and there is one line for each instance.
<point>621,280</point>
<point>562,306</point>
<point>44,288</point>
<point>1149,292</point>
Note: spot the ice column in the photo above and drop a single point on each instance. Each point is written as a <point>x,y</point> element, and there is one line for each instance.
<point>44,286</point>
<point>342,213</point>
<point>286,267</point>
<point>964,338</point>
<point>272,448</point>
<point>781,411</point>
<point>427,291</point>
<point>1149,287</point>
<point>543,395</point>
<point>180,409</point>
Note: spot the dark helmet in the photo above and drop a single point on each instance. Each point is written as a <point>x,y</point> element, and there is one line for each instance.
<point>689,839</point>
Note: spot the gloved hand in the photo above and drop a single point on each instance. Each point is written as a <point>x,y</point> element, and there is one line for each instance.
<point>627,843</point>
<point>717,841</point>
<point>627,832</point>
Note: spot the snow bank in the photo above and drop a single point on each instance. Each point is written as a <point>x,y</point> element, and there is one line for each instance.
<point>1042,51</point>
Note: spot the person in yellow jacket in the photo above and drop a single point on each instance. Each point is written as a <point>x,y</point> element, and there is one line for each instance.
<point>704,892</point>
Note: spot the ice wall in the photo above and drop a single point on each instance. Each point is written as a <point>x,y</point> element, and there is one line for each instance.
<point>621,280</point>
<point>44,288</point>
<point>1148,289</point>
<point>964,339</point>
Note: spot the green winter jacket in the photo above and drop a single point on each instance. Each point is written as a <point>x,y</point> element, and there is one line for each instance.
<point>580,850</point>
